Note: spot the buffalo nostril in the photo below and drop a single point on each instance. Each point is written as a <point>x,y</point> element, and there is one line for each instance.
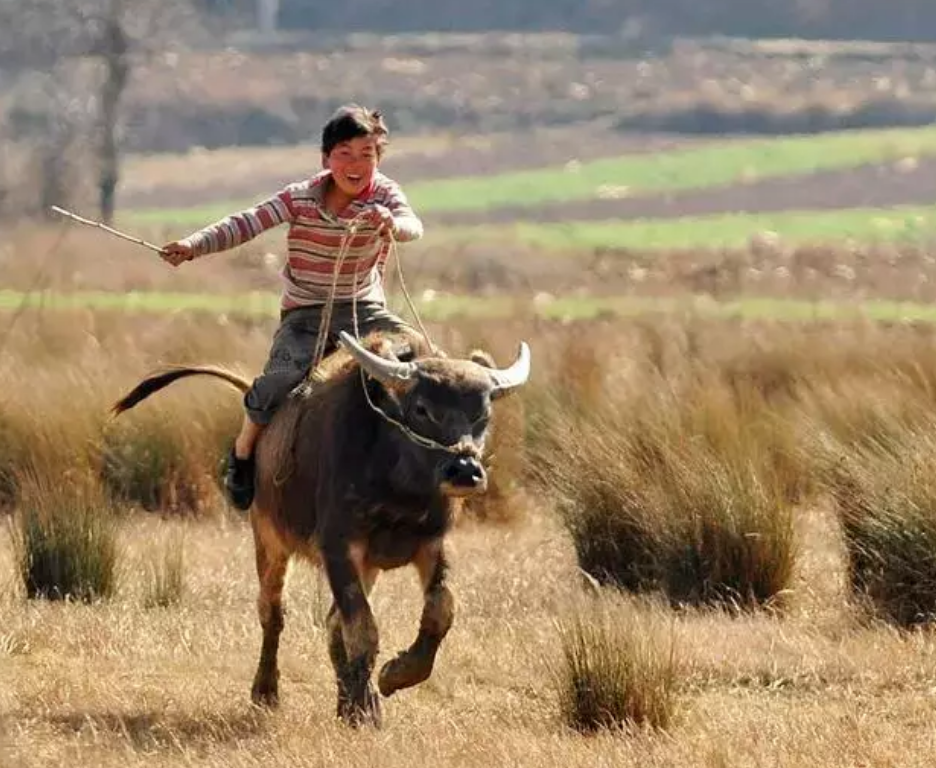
<point>463,471</point>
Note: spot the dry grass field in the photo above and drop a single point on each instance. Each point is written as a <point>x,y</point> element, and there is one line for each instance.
<point>810,677</point>
<point>117,684</point>
<point>66,258</point>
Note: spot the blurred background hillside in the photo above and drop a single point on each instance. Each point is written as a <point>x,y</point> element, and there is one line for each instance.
<point>120,106</point>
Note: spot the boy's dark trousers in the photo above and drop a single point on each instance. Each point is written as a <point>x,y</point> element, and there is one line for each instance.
<point>294,344</point>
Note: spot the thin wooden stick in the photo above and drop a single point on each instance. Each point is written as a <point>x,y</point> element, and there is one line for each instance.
<point>110,230</point>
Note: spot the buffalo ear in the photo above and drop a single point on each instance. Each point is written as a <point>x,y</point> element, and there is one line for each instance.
<point>481,357</point>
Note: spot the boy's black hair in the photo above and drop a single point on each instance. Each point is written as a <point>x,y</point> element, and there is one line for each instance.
<point>353,121</point>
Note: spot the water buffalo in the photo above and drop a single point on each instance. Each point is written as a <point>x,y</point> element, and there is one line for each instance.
<point>361,473</point>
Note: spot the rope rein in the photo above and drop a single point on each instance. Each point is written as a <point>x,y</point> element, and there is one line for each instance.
<point>321,339</point>
<point>325,325</point>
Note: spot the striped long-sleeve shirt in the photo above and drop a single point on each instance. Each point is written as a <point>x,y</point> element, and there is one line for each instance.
<point>315,239</point>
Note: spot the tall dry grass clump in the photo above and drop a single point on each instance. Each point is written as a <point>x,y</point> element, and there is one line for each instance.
<point>168,455</point>
<point>14,450</point>
<point>49,424</point>
<point>678,487</point>
<point>869,426</point>
<point>165,457</point>
<point>681,470</point>
<point>61,373</point>
<point>65,538</point>
<point>731,538</point>
<point>617,668</point>
<point>886,499</point>
<point>880,385</point>
<point>165,573</point>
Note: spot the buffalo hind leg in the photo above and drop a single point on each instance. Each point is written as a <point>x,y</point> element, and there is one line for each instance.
<point>353,641</point>
<point>272,560</point>
<point>414,665</point>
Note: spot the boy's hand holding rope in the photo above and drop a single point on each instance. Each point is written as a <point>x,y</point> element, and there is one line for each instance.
<point>325,322</point>
<point>386,231</point>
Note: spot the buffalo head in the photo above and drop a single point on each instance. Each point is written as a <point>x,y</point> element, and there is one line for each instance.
<point>440,408</point>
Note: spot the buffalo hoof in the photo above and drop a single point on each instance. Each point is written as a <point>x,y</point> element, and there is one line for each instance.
<point>362,713</point>
<point>406,670</point>
<point>265,693</point>
<point>358,703</point>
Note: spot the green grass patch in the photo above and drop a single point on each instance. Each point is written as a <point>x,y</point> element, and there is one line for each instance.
<point>252,305</point>
<point>907,224</point>
<point>448,307</point>
<point>899,224</point>
<point>708,166</point>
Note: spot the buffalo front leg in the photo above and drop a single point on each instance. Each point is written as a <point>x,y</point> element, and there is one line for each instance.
<point>353,641</point>
<point>272,559</point>
<point>414,665</point>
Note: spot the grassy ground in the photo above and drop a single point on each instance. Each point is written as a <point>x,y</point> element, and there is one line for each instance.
<point>524,82</point>
<point>200,176</point>
<point>893,275</point>
<point>120,683</point>
<point>647,185</point>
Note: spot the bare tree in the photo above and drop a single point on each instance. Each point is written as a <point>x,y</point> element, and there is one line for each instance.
<point>113,46</point>
<point>268,16</point>
<point>64,68</point>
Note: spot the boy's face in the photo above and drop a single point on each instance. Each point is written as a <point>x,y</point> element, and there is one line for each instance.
<point>353,164</point>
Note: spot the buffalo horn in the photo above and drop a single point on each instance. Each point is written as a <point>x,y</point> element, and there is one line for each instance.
<point>506,379</point>
<point>379,367</point>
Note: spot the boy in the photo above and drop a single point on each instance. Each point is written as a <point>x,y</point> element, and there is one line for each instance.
<point>317,211</point>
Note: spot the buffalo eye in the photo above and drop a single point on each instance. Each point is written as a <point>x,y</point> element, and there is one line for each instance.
<point>421,410</point>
